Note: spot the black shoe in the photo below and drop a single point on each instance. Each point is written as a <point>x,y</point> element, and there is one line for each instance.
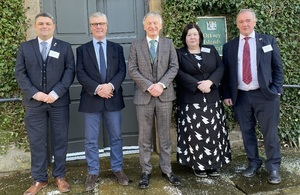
<point>90,182</point>
<point>274,177</point>
<point>213,173</point>
<point>144,181</point>
<point>199,173</point>
<point>172,179</point>
<point>250,172</point>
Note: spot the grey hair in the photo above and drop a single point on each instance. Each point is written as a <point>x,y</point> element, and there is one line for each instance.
<point>153,14</point>
<point>44,14</point>
<point>99,14</point>
<point>248,10</point>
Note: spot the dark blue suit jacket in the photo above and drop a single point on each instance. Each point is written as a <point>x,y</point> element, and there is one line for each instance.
<point>60,71</point>
<point>269,68</point>
<point>89,77</point>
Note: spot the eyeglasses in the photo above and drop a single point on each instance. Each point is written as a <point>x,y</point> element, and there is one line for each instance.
<point>98,24</point>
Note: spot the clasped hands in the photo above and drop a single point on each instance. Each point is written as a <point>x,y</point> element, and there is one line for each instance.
<point>105,91</point>
<point>43,97</point>
<point>156,89</point>
<point>204,86</point>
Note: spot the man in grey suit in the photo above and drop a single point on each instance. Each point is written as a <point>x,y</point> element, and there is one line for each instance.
<point>44,71</point>
<point>153,65</point>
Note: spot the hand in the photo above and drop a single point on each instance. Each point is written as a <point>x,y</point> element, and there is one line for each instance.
<point>228,102</point>
<point>156,89</point>
<point>204,86</point>
<point>105,91</point>
<point>41,97</point>
<point>50,99</point>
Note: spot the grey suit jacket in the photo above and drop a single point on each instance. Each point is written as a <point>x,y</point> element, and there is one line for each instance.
<point>60,71</point>
<point>140,69</point>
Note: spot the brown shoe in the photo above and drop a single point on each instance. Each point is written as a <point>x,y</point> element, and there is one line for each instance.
<point>35,188</point>
<point>122,178</point>
<point>90,182</point>
<point>62,184</point>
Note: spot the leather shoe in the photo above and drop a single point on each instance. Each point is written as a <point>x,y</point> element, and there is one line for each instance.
<point>35,188</point>
<point>250,172</point>
<point>274,177</point>
<point>90,182</point>
<point>144,181</point>
<point>173,179</point>
<point>122,178</point>
<point>62,184</point>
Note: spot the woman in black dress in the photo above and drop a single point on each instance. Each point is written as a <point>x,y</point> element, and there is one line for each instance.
<point>203,142</point>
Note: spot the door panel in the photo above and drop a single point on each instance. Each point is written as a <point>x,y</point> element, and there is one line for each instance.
<point>124,26</point>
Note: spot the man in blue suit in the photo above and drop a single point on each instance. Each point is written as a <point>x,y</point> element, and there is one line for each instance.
<point>252,84</point>
<point>45,69</point>
<point>101,69</point>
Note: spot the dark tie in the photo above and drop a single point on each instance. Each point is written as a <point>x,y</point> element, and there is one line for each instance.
<point>102,63</point>
<point>152,49</point>
<point>44,50</point>
<point>247,77</point>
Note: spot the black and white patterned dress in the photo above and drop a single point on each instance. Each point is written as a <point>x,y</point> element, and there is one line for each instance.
<point>203,142</point>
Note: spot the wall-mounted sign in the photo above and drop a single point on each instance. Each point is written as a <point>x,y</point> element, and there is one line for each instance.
<point>214,31</point>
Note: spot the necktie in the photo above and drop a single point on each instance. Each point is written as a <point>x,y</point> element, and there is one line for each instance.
<point>247,77</point>
<point>44,50</point>
<point>152,49</point>
<point>102,63</point>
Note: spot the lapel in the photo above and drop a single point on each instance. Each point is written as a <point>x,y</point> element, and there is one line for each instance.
<point>235,48</point>
<point>37,52</point>
<point>190,58</point>
<point>146,52</point>
<point>91,51</point>
<point>53,47</point>
<point>259,45</point>
<point>110,50</point>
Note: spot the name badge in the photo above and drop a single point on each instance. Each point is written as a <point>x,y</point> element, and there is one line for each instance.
<point>53,54</point>
<point>267,48</point>
<point>205,49</point>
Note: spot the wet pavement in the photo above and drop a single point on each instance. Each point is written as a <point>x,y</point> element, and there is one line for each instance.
<point>229,183</point>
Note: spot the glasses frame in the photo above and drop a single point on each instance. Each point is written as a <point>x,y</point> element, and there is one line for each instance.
<point>98,24</point>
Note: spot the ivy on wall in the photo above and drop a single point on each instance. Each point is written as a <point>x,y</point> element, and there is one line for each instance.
<point>12,30</point>
<point>277,18</point>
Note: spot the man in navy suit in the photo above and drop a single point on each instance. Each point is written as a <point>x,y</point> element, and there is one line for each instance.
<point>45,69</point>
<point>254,88</point>
<point>101,69</point>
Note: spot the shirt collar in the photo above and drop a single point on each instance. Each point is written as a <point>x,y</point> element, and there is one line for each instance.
<point>148,39</point>
<point>49,41</point>
<point>104,41</point>
<point>252,35</point>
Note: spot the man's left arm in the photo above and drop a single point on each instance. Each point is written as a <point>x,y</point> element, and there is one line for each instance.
<point>277,69</point>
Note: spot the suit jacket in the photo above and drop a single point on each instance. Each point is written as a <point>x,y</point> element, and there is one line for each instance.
<point>60,71</point>
<point>141,70</point>
<point>89,77</point>
<point>189,74</point>
<point>269,67</point>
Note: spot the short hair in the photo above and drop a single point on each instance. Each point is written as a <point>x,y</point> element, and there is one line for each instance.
<point>44,14</point>
<point>155,14</point>
<point>99,14</point>
<point>247,10</point>
<point>185,32</point>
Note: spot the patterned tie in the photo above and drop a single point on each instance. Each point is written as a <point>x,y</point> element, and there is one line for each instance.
<point>152,49</point>
<point>102,63</point>
<point>247,77</point>
<point>44,50</point>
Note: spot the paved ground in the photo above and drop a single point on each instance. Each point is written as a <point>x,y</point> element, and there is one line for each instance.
<point>15,178</point>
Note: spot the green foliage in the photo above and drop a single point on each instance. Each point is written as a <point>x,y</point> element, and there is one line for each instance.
<point>277,18</point>
<point>13,30</point>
